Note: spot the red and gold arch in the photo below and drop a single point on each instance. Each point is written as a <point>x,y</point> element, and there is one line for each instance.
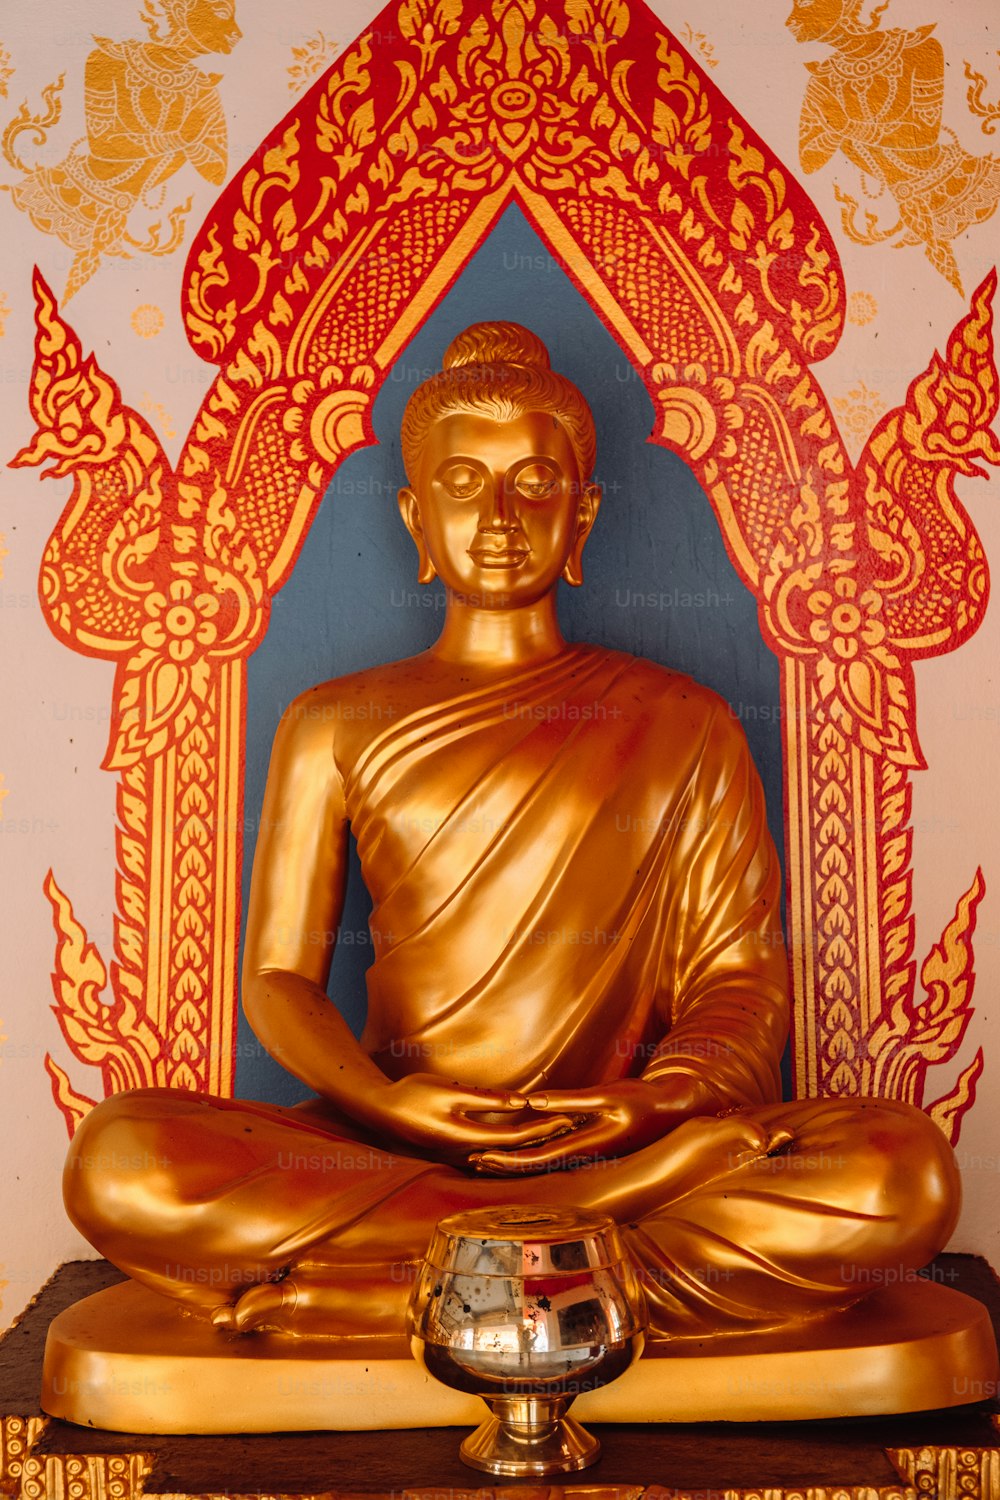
<point>714,272</point>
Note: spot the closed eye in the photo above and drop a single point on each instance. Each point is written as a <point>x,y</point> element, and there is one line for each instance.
<point>461,481</point>
<point>536,482</point>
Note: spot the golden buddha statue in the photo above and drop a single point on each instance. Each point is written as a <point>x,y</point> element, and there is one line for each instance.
<point>578,994</point>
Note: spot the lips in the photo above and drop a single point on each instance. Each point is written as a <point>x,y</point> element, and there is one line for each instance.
<point>499,557</point>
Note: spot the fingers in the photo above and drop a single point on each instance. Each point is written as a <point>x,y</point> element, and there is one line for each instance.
<point>525,1132</point>
<point>577,1148</point>
<point>500,1164</point>
<point>423,1091</point>
<point>266,1306</point>
<point>705,1149</point>
<point>468,1099</point>
<point>586,1101</point>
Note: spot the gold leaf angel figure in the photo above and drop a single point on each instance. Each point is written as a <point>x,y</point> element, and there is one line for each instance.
<point>878,99</point>
<point>149,110</point>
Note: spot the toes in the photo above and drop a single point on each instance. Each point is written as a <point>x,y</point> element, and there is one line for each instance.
<point>268,1306</point>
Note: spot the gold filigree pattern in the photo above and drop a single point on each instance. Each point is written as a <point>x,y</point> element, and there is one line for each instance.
<point>835,901</point>
<point>97,1476</point>
<point>313,57</point>
<point>859,411</point>
<point>17,1437</point>
<point>698,44</point>
<point>150,111</point>
<point>861,309</point>
<point>950,1473</point>
<point>460,128</point>
<point>944,1473</point>
<point>158,413</point>
<point>147,320</point>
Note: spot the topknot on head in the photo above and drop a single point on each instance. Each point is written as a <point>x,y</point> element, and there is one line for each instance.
<point>497,344</point>
<point>501,371</point>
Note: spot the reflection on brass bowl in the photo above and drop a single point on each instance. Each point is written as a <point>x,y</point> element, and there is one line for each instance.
<point>527,1307</point>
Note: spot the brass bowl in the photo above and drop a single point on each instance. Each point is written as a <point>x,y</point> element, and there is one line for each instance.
<point>527,1307</point>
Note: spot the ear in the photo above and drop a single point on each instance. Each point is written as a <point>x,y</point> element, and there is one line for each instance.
<point>586,515</point>
<point>410,513</point>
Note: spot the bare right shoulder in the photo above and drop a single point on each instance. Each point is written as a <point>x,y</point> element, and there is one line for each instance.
<point>309,719</point>
<point>338,718</point>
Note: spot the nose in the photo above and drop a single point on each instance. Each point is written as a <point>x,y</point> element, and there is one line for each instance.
<point>497,511</point>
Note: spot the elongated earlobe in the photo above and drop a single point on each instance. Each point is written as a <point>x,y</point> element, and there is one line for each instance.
<point>426,572</point>
<point>590,504</point>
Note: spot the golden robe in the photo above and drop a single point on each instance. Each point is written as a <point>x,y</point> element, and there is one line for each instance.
<point>607,893</point>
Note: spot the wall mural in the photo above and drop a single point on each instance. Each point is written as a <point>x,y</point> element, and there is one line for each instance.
<point>713,270</point>
<point>149,110</point>
<point>878,99</point>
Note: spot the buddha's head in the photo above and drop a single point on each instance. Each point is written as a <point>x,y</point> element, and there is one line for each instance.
<point>498,450</point>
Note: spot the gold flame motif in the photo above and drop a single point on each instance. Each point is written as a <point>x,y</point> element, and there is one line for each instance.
<point>922,1032</point>
<point>987,112</point>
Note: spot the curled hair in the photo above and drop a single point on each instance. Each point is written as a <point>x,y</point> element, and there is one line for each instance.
<point>497,370</point>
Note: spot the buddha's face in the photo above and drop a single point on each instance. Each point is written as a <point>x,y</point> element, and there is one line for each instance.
<point>498,508</point>
<point>812,20</point>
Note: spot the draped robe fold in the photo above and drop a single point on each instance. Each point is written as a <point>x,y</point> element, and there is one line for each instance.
<point>607,894</point>
<point>604,879</point>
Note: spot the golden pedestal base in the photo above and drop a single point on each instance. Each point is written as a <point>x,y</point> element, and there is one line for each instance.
<point>128,1360</point>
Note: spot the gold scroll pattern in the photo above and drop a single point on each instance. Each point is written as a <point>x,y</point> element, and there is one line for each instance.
<point>149,111</point>
<point>318,262</point>
<point>878,99</point>
<point>950,1473</point>
<point>92,1476</point>
<point>18,1435</point>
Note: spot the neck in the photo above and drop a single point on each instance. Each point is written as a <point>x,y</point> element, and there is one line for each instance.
<point>500,637</point>
<point>843,31</point>
<point>179,46</point>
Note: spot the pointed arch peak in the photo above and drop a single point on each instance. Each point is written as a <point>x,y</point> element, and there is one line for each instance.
<point>589,111</point>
